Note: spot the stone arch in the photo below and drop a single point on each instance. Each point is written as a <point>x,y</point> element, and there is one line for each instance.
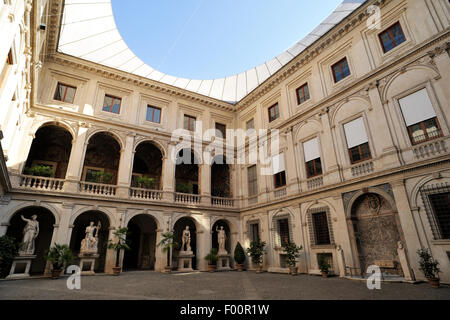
<point>179,225</point>
<point>155,142</point>
<point>59,123</point>
<point>357,103</point>
<point>415,192</point>
<point>76,214</point>
<point>378,191</point>
<point>49,207</point>
<point>111,133</point>
<point>137,213</point>
<point>317,128</point>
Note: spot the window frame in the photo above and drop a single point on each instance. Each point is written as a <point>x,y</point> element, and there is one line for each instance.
<point>422,125</point>
<point>277,114</point>
<point>252,120</point>
<point>281,232</point>
<point>224,132</point>
<point>315,174</point>
<point>189,122</point>
<point>65,92</point>
<point>389,31</point>
<point>153,114</point>
<point>112,104</point>
<point>252,231</point>
<point>323,214</point>
<point>255,180</point>
<point>302,88</point>
<point>280,176</point>
<point>360,153</point>
<point>341,69</point>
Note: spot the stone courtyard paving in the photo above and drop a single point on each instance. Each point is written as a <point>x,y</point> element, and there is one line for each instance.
<point>141,285</point>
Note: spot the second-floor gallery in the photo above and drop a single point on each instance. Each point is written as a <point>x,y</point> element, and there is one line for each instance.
<point>340,144</point>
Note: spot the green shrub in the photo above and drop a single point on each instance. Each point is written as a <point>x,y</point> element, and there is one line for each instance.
<point>8,250</point>
<point>146,182</point>
<point>292,253</point>
<point>256,251</point>
<point>59,255</point>
<point>428,265</point>
<point>239,254</point>
<point>185,188</point>
<point>212,257</point>
<point>40,171</point>
<point>324,266</point>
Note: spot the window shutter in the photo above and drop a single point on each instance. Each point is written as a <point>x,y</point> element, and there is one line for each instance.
<point>311,149</point>
<point>278,163</point>
<point>417,107</point>
<point>355,133</point>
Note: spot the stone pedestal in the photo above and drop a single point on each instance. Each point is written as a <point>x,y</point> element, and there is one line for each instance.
<point>185,261</point>
<point>88,260</point>
<point>223,263</point>
<point>21,263</point>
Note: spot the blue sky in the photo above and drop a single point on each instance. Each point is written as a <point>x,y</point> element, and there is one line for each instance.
<point>208,39</point>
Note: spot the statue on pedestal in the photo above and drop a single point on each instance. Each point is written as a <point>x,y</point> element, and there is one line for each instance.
<point>30,233</point>
<point>89,245</point>
<point>221,238</point>
<point>186,240</point>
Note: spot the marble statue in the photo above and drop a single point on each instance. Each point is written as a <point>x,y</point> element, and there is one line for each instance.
<point>221,238</point>
<point>30,233</point>
<point>89,245</point>
<point>186,239</point>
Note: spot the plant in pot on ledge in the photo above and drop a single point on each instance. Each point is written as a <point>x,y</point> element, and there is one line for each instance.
<point>59,256</point>
<point>324,266</point>
<point>292,253</point>
<point>120,244</point>
<point>166,243</point>
<point>239,257</point>
<point>212,258</point>
<point>429,266</point>
<point>256,252</point>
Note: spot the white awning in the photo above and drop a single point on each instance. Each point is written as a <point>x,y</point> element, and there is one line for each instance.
<point>278,163</point>
<point>355,132</point>
<point>311,149</point>
<point>417,107</point>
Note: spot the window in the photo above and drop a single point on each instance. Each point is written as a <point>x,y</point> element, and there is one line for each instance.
<point>250,124</point>
<point>392,37</point>
<point>153,114</point>
<point>112,104</point>
<point>283,231</point>
<point>321,231</point>
<point>340,70</point>
<point>189,123</point>
<point>440,204</point>
<point>278,169</point>
<point>222,130</point>
<point>357,141</point>
<point>302,94</point>
<point>6,66</point>
<point>252,181</point>
<point>312,158</point>
<point>274,112</point>
<point>254,232</point>
<point>420,117</point>
<point>65,93</point>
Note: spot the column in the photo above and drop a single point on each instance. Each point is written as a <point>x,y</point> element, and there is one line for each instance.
<point>442,61</point>
<point>205,183</point>
<point>331,173</point>
<point>125,167</point>
<point>292,175</point>
<point>205,243</point>
<point>407,224</point>
<point>76,160</point>
<point>168,175</point>
<point>63,236</point>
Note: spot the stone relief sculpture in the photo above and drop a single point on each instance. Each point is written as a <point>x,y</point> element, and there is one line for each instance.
<point>89,245</point>
<point>186,240</point>
<point>30,233</point>
<point>221,238</point>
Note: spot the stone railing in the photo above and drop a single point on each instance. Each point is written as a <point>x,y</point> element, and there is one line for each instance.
<point>429,149</point>
<point>40,183</point>
<point>314,183</point>
<point>280,193</point>
<point>363,168</point>
<point>97,188</point>
<point>186,198</point>
<point>222,202</point>
<point>146,194</point>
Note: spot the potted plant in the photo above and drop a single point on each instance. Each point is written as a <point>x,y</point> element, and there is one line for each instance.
<point>101,177</point>
<point>185,188</point>
<point>146,182</point>
<point>292,252</point>
<point>429,266</point>
<point>324,266</point>
<point>167,242</point>
<point>256,252</point>
<point>8,250</point>
<point>40,171</point>
<point>59,256</point>
<point>239,257</point>
<point>120,244</point>
<point>212,258</point>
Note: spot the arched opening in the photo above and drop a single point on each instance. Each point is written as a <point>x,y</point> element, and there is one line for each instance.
<point>49,153</point>
<point>220,178</point>
<point>101,162</point>
<point>42,243</point>
<point>376,231</point>
<point>147,167</point>
<point>186,172</point>
<point>79,233</point>
<point>142,241</point>
<point>178,228</point>
<point>217,226</point>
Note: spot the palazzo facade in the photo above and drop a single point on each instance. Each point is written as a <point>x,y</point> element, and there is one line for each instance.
<point>363,173</point>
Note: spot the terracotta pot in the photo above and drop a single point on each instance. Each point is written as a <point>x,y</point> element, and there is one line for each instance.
<point>116,271</point>
<point>259,269</point>
<point>56,273</point>
<point>293,271</point>
<point>434,282</point>
<point>239,267</point>
<point>324,274</point>
<point>211,268</point>
<point>167,269</point>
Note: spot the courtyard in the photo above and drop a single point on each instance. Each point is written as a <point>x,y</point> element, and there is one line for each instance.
<point>143,285</point>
